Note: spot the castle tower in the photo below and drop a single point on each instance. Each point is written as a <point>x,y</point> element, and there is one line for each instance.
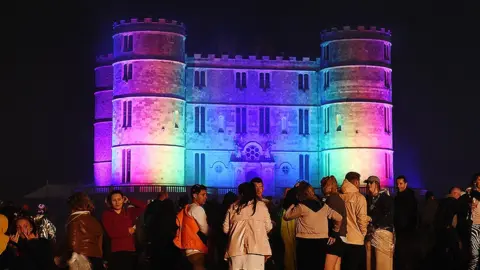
<point>356,103</point>
<point>102,128</point>
<point>148,140</point>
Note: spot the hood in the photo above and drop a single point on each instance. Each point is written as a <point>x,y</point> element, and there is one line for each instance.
<point>314,205</point>
<point>348,187</point>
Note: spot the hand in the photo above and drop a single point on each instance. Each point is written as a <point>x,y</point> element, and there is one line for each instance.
<point>14,238</point>
<point>468,190</point>
<point>125,199</point>
<point>58,261</point>
<point>131,230</point>
<point>331,241</point>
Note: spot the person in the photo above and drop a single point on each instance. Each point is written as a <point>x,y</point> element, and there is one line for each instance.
<point>84,236</point>
<point>193,228</point>
<point>357,221</point>
<point>405,222</point>
<point>287,230</point>
<point>380,240</point>
<point>474,192</point>
<point>313,236</point>
<point>45,227</point>
<point>445,223</point>
<point>6,256</point>
<point>247,223</point>
<point>119,223</point>
<point>33,253</point>
<point>161,227</point>
<point>335,251</point>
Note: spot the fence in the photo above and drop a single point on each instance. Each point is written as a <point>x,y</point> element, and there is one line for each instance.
<point>211,191</point>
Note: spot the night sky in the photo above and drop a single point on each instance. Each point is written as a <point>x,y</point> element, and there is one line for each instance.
<point>48,119</point>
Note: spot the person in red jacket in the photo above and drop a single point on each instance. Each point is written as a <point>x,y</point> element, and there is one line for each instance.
<point>119,224</point>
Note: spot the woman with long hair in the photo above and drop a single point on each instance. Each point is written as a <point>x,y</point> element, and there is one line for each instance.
<point>84,236</point>
<point>119,223</point>
<point>313,235</point>
<point>329,187</point>
<point>247,223</point>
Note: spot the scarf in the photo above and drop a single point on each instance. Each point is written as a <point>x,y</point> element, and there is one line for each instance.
<point>3,229</point>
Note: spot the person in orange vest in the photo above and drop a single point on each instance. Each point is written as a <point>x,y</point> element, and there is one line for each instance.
<point>193,228</point>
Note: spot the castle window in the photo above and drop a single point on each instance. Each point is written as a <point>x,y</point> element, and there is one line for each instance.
<point>284,125</point>
<point>387,79</point>
<point>127,114</point>
<point>387,117</point>
<point>285,169</point>
<point>200,168</point>
<point>200,77</point>
<point>241,80</point>
<point>304,167</point>
<point>326,119</point>
<point>386,52</point>
<point>200,119</point>
<point>176,118</point>
<point>241,120</point>
<point>218,168</point>
<point>252,152</point>
<point>303,82</point>
<point>127,72</point>
<point>338,121</point>
<point>326,52</point>
<point>387,165</point>
<point>326,164</point>
<point>264,80</point>
<point>326,79</point>
<point>126,165</point>
<point>127,43</point>
<point>221,124</point>
<point>264,120</point>
<point>303,122</point>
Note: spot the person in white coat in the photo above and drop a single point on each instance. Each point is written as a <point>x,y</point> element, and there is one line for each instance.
<point>247,223</point>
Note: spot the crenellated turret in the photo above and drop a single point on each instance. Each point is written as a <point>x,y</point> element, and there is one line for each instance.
<point>355,87</point>
<point>148,144</point>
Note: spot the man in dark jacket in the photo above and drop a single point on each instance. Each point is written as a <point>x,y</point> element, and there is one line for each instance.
<point>405,221</point>
<point>161,226</point>
<point>448,240</point>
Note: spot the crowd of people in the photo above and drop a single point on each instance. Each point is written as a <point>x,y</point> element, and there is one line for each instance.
<point>341,229</point>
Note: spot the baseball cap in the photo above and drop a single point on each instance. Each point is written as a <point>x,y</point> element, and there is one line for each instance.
<point>372,179</point>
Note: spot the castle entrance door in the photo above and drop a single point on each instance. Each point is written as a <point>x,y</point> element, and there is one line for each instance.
<point>245,171</point>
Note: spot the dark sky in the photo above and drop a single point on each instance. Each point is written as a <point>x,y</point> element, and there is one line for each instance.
<point>48,119</point>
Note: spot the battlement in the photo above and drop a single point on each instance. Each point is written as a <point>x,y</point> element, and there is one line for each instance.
<point>105,59</point>
<point>149,24</point>
<point>253,61</point>
<point>359,32</point>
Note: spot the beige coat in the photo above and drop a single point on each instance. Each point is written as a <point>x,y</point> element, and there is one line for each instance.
<point>357,220</point>
<point>247,233</point>
<point>311,224</point>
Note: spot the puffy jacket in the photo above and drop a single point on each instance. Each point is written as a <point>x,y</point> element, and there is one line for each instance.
<point>357,220</point>
<point>84,234</point>
<point>188,232</point>
<point>247,233</point>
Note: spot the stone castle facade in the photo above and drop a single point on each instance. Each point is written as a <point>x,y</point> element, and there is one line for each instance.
<point>162,117</point>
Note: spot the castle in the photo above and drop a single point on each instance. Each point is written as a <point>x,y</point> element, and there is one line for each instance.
<point>162,117</point>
